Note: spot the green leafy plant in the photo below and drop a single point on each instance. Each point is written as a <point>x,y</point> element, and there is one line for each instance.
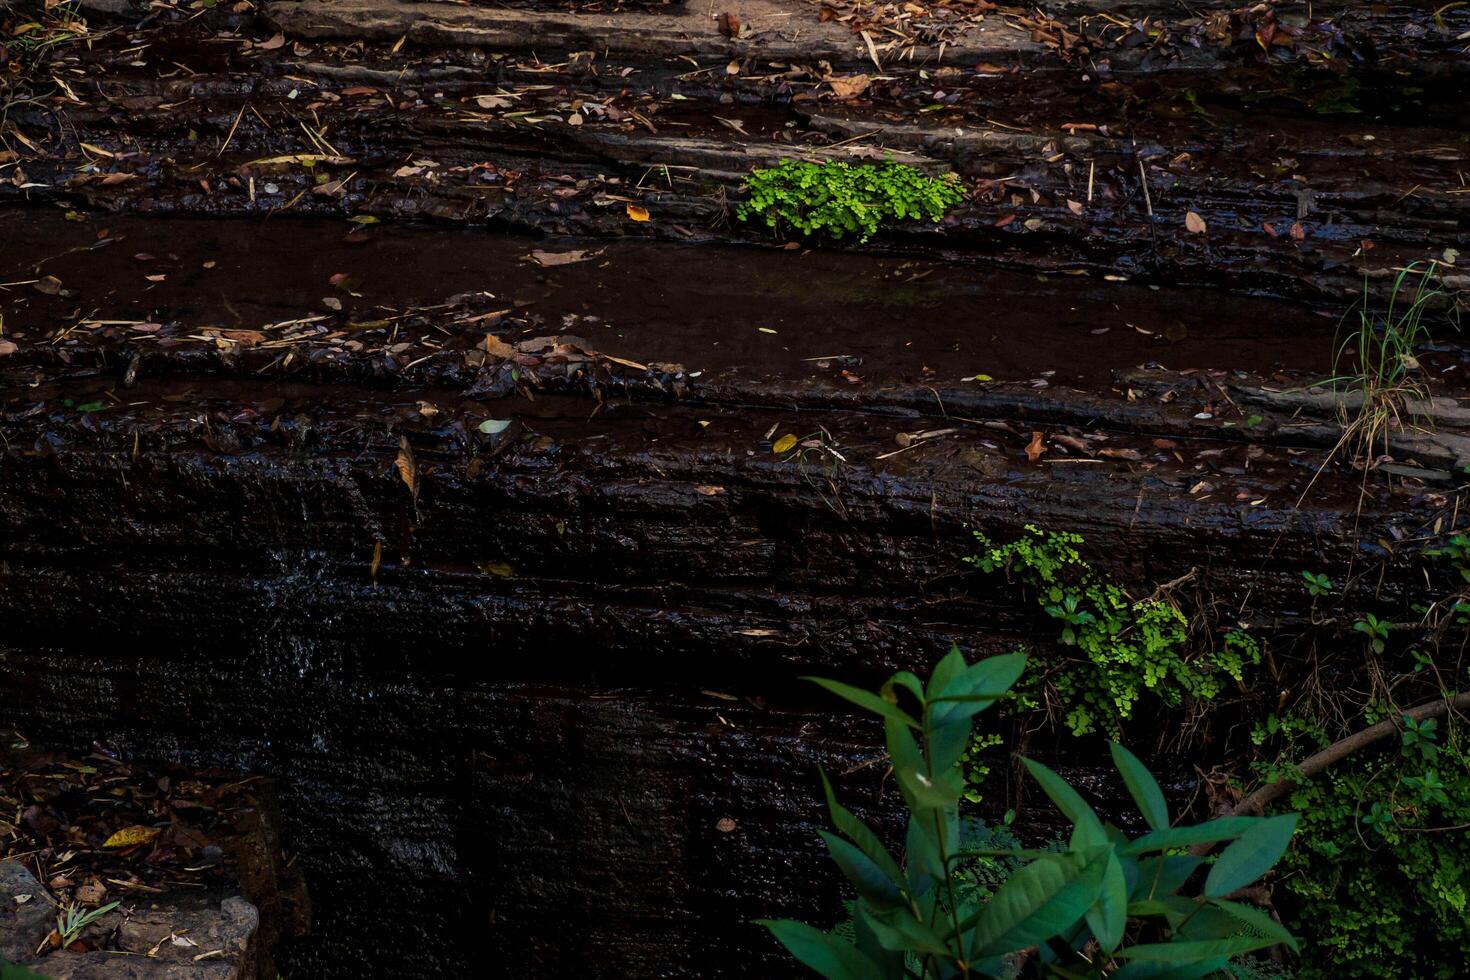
<point>1318,585</point>
<point>1380,870</point>
<point>1375,369</point>
<point>71,920</point>
<point>1457,551</point>
<point>1127,646</point>
<point>839,199</point>
<point>1106,905</point>
<point>1375,629</point>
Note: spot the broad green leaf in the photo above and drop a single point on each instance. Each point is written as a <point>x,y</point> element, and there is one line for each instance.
<point>1225,828</point>
<point>947,743</point>
<point>1258,920</point>
<point>1042,900</point>
<point>1065,797</point>
<point>888,961</point>
<point>979,686</point>
<point>1195,951</point>
<point>925,866</point>
<point>906,680</point>
<point>857,832</point>
<point>942,792</point>
<point>1251,856</point>
<point>950,666</point>
<point>1142,787</point>
<point>871,881</point>
<point>1154,970</point>
<point>831,956</point>
<point>1109,914</point>
<point>1164,875</point>
<point>897,929</point>
<point>865,699</point>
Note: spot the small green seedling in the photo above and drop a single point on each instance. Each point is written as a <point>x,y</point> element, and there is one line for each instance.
<point>71,920</point>
<point>1317,585</point>
<point>1375,629</point>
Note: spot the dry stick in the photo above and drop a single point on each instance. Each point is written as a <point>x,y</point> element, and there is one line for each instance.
<point>1256,802</point>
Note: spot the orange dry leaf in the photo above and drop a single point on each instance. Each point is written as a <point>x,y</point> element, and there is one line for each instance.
<point>1036,447</point>
<point>637,213</point>
<point>407,468</point>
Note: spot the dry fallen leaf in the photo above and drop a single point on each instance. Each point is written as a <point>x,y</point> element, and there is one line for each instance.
<point>708,491</point>
<point>7,347</point>
<point>276,42</point>
<point>131,836</point>
<point>1195,224</point>
<point>562,258</point>
<point>496,347</point>
<point>48,285</point>
<point>729,25</point>
<point>407,468</point>
<point>724,825</point>
<point>637,213</point>
<point>784,444</point>
<point>1036,447</point>
<point>850,87</point>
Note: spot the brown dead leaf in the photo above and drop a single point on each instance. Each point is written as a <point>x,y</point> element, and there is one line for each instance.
<point>547,259</point>
<point>496,347</point>
<point>637,213</point>
<point>1036,447</point>
<point>1130,454</point>
<point>1298,233</point>
<point>48,285</point>
<point>849,87</point>
<point>724,825</point>
<point>729,25</point>
<point>92,893</point>
<point>708,491</point>
<point>407,468</point>
<point>1195,224</point>
<point>279,41</point>
<point>7,347</point>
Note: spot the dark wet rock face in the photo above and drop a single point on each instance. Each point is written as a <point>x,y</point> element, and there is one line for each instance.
<point>357,430</point>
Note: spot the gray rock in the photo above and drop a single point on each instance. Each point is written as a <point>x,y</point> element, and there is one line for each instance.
<point>175,936</point>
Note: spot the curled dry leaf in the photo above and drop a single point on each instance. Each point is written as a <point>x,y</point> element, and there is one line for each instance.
<point>7,347</point>
<point>1195,224</point>
<point>407,468</point>
<point>1036,447</point>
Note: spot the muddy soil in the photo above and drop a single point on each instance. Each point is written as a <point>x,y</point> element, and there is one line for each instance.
<point>389,397</point>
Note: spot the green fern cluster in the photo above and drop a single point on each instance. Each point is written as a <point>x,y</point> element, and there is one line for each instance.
<point>1127,647</point>
<point>840,199</point>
